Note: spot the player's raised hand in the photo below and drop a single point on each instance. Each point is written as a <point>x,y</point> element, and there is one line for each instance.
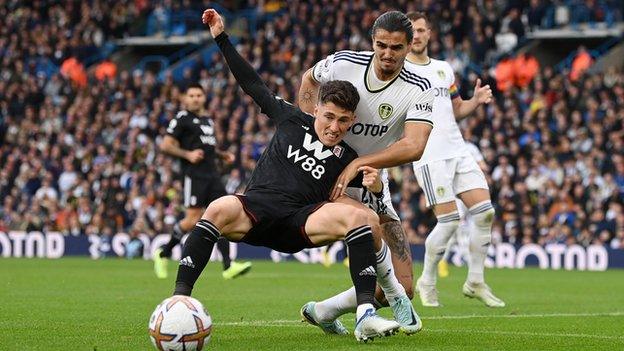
<point>195,155</point>
<point>212,18</point>
<point>345,177</point>
<point>483,94</point>
<point>371,179</point>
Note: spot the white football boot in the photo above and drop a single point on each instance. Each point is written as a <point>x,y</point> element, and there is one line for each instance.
<point>428,294</point>
<point>482,292</point>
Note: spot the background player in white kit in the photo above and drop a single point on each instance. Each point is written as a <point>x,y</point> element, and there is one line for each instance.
<point>392,127</point>
<point>447,170</point>
<point>460,240</point>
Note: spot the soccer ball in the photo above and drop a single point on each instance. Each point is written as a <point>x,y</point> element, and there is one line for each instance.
<point>180,323</point>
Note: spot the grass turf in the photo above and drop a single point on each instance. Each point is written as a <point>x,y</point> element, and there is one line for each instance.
<point>81,304</point>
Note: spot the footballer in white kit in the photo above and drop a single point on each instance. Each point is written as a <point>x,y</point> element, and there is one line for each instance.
<point>446,167</point>
<point>393,122</point>
<point>447,170</point>
<point>383,110</point>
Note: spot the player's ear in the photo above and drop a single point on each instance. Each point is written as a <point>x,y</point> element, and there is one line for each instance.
<point>316,108</point>
<point>352,119</point>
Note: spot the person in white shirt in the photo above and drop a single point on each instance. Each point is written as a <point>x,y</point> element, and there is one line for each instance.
<point>447,170</point>
<point>392,126</point>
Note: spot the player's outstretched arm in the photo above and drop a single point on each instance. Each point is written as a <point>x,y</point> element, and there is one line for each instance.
<point>245,75</point>
<point>408,149</point>
<point>482,95</point>
<point>308,92</point>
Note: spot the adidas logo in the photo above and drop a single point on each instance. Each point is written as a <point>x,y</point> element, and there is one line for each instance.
<point>387,273</point>
<point>368,271</point>
<point>186,261</point>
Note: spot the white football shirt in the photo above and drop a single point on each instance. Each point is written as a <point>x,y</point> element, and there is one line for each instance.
<point>384,107</point>
<point>445,140</point>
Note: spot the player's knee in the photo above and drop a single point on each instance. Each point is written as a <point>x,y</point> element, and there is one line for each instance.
<point>359,217</point>
<point>484,218</point>
<point>220,212</point>
<point>372,218</point>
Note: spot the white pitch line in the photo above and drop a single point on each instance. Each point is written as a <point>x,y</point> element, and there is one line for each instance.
<point>543,315</point>
<point>276,323</point>
<point>467,316</point>
<point>298,323</point>
<point>499,332</point>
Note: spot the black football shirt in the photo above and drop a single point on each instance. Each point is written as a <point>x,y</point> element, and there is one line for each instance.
<point>195,132</point>
<point>296,168</point>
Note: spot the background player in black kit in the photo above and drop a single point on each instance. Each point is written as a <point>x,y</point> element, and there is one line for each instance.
<point>285,204</point>
<point>190,137</point>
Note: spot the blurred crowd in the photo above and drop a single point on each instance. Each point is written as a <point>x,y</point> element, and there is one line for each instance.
<point>84,160</point>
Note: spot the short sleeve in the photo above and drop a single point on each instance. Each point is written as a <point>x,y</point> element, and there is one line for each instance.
<point>323,71</point>
<point>176,125</point>
<point>421,108</point>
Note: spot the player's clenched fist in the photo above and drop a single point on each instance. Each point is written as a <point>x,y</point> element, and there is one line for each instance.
<point>195,156</point>
<point>212,18</point>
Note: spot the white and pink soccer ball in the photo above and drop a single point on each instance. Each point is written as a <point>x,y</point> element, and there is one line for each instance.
<point>180,323</point>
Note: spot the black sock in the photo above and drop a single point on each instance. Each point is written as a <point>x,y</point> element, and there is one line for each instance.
<point>362,262</point>
<point>224,247</point>
<point>176,237</point>
<point>195,255</point>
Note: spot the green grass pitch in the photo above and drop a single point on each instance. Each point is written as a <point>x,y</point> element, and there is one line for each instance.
<point>81,304</point>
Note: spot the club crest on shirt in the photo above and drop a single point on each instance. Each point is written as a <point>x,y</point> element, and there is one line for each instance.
<point>440,190</point>
<point>338,151</point>
<point>441,74</point>
<point>385,110</point>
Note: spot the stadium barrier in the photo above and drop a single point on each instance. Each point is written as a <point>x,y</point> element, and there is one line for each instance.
<point>504,255</point>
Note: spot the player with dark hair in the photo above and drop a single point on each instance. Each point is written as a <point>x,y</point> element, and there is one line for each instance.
<point>394,122</point>
<point>191,138</point>
<point>285,204</point>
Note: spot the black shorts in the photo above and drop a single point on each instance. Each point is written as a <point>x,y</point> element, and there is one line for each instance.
<point>276,225</point>
<point>200,192</point>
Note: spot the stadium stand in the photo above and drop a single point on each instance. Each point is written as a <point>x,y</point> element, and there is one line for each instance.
<point>78,148</point>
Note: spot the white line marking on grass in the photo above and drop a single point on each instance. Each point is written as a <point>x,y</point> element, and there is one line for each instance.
<point>276,323</point>
<point>499,332</point>
<point>298,323</point>
<point>542,315</point>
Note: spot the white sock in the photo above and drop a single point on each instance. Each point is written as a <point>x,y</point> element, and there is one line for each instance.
<point>435,245</point>
<point>480,238</point>
<point>361,309</point>
<point>385,274</point>
<point>452,241</point>
<point>335,306</point>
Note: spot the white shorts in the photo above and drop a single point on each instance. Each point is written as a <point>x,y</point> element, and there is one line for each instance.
<point>382,206</point>
<point>443,180</point>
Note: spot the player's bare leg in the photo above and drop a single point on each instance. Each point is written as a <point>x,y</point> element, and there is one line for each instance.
<point>480,208</point>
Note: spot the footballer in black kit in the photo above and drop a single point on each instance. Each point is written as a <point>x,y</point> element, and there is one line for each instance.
<point>202,182</point>
<point>292,179</point>
<point>191,138</point>
<point>285,206</point>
